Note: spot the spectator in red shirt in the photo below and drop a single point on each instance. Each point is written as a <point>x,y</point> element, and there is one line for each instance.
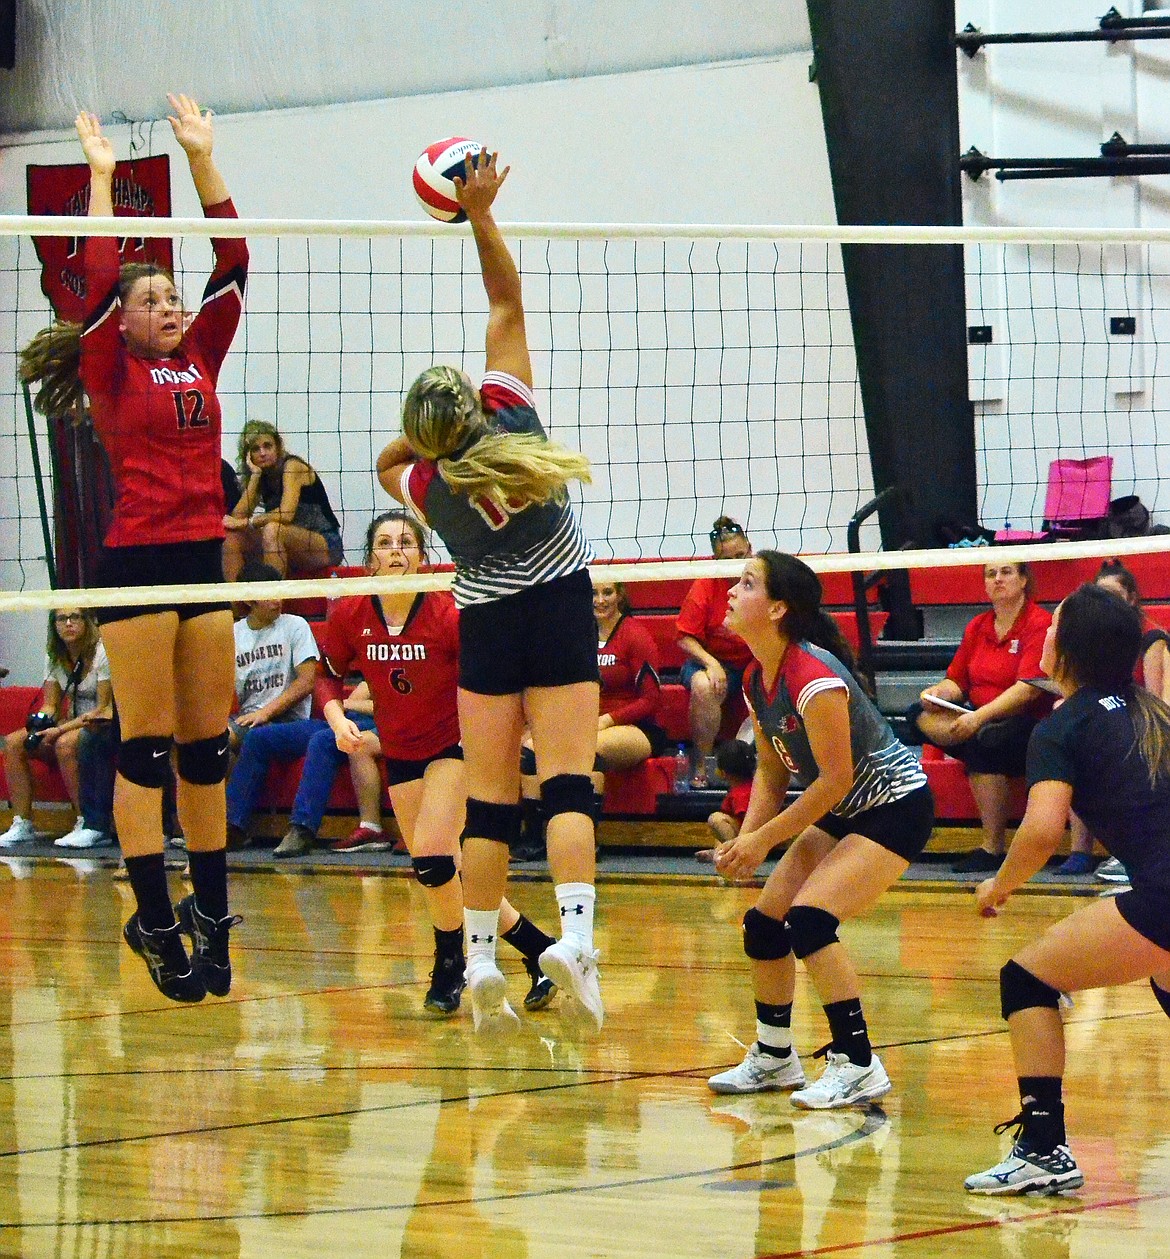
<point>737,763</point>
<point>717,656</point>
<point>628,732</point>
<point>1000,648</point>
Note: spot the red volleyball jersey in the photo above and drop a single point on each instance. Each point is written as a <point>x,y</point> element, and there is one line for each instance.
<point>413,672</point>
<point>159,419</point>
<point>628,662</point>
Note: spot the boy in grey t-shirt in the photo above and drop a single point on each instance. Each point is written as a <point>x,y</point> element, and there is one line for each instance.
<point>276,666</point>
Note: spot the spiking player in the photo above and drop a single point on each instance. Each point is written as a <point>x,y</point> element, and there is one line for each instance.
<point>476,464</point>
<point>151,382</point>
<point>406,647</point>
<point>865,813</point>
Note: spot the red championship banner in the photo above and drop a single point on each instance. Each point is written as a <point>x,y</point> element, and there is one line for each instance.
<point>142,189</point>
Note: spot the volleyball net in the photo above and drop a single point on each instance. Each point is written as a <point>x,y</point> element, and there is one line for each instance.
<point>704,371</point>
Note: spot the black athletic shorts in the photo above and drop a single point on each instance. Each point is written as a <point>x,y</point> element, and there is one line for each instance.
<point>164,564</point>
<point>543,636</point>
<point>655,733</point>
<point>902,827</point>
<point>399,771</point>
<point>1001,747</point>
<point>1148,912</point>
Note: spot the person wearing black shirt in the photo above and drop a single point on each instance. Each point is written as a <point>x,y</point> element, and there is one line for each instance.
<point>1105,753</point>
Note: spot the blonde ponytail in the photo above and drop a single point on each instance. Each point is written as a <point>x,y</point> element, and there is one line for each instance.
<point>512,468</point>
<point>442,420</point>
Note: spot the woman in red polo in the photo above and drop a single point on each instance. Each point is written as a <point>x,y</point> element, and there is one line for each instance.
<point>716,658</point>
<point>1000,648</point>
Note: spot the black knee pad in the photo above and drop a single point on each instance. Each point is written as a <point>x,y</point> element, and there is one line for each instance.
<point>204,762</point>
<point>567,793</point>
<point>811,929</point>
<point>765,939</point>
<point>486,820</point>
<point>433,871</point>
<point>145,761</point>
<point>1019,989</point>
<point>527,763</point>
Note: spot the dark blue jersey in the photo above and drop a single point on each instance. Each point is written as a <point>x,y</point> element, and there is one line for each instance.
<point>1090,742</point>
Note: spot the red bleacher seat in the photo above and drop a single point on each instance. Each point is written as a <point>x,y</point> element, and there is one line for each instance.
<point>953,801</point>
<point>1053,579</point>
<point>636,791</point>
<point>16,702</point>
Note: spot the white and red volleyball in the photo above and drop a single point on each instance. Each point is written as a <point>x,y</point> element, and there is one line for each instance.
<point>434,175</point>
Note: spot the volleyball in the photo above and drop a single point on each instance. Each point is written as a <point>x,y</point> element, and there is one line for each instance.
<point>434,175</point>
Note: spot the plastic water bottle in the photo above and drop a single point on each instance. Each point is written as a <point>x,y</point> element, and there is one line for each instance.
<point>682,770</point>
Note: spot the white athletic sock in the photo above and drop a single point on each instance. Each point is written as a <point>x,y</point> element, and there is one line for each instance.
<point>480,929</point>
<point>576,901</point>
<point>371,826</point>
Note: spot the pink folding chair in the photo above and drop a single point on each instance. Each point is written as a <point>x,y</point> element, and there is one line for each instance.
<point>1078,490</point>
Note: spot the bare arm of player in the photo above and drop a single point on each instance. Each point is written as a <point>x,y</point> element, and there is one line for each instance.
<point>826,723</point>
<point>392,462</point>
<point>345,732</point>
<point>99,154</point>
<point>506,340</point>
<point>1033,843</point>
<point>196,137</point>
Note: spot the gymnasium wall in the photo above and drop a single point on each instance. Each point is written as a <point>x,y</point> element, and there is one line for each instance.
<point>1053,383</point>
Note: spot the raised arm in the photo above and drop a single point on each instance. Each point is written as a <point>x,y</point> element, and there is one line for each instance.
<point>193,130</point>
<point>507,341</point>
<point>99,153</point>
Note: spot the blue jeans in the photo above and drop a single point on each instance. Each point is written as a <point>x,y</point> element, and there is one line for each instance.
<point>288,741</point>
<point>97,749</point>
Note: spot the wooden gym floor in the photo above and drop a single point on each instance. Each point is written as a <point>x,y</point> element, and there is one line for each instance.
<point>317,1111</point>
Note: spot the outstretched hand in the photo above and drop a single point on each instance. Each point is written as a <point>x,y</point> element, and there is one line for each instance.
<point>476,191</point>
<point>989,899</point>
<point>99,152</point>
<point>192,127</point>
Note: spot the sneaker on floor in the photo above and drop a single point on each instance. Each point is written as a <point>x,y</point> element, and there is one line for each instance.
<point>1077,863</point>
<point>447,983</point>
<point>166,959</point>
<point>237,838</point>
<point>1109,871</point>
<point>209,945</point>
<point>1029,1173</point>
<point>844,1083</point>
<point>490,1011</point>
<point>21,831</point>
<point>297,841</point>
<point>362,839</point>
<point>760,1072</point>
<point>574,971</point>
<point>83,837</point>
<point>978,861</point>
<point>541,990</point>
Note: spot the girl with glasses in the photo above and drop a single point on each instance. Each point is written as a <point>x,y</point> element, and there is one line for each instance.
<point>76,693</point>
